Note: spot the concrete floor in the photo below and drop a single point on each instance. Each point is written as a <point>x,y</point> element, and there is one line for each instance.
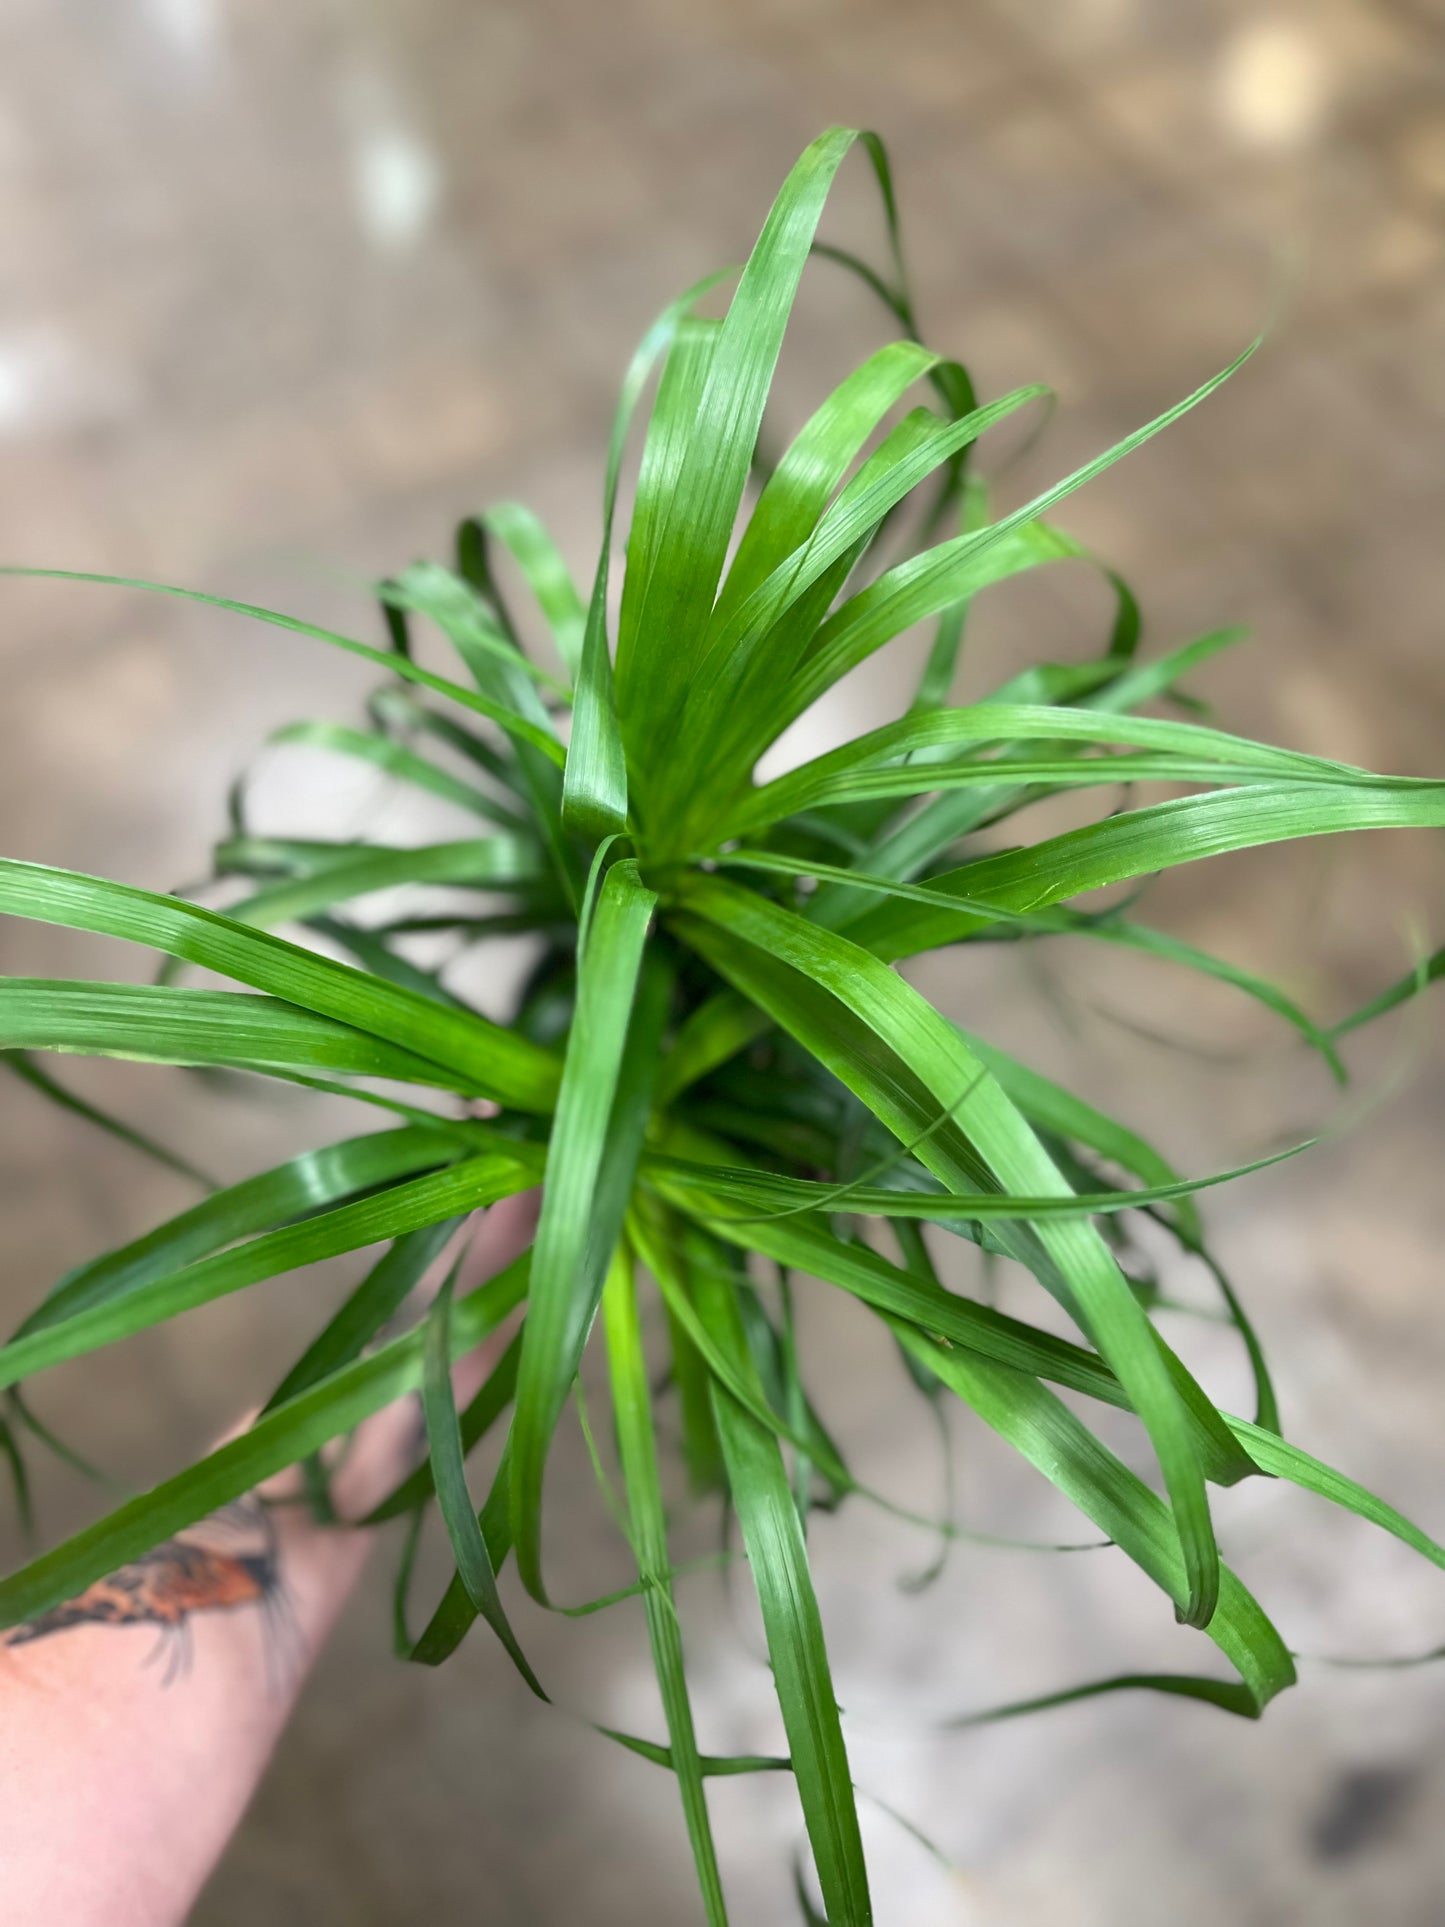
<point>284,289</point>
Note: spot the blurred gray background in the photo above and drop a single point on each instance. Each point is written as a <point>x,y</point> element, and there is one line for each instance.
<point>284,290</point>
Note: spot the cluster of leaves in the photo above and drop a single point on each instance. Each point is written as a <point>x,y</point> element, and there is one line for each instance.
<point>714,1071</point>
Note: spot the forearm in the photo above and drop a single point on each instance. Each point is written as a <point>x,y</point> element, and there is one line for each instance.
<point>137,1719</point>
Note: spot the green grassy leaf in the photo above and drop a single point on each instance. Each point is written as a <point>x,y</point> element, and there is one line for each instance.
<point>485,863</point>
<point>1142,841</point>
<point>717,1030</point>
<point>637,1446</point>
<point>521,728</point>
<point>849,771</point>
<point>664,617</point>
<point>496,1062</point>
<point>486,1406</point>
<point>367,1310</point>
<point>458,605</point>
<point>157,1024</point>
<point>545,573</point>
<point>395,709</point>
<point>776,1551</point>
<point>906,846</point>
<point>570,1266</point>
<point>938,672</point>
<point>297,1189</point>
<point>746,641</point>
<point>1428,971</point>
<point>741,1196</point>
<point>448,1462</point>
<point>394,759</point>
<point>594,794</point>
<point>351,1227</point>
<point>802,485</point>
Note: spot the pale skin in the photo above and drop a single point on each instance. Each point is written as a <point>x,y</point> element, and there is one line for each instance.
<point>136,1724</point>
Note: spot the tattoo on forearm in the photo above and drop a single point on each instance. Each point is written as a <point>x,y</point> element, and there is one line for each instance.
<point>218,1565</point>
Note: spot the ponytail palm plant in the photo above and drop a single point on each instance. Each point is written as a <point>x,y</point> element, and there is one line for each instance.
<point>715,1070</point>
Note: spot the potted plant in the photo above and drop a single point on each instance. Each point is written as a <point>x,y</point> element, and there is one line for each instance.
<point>716,1071</point>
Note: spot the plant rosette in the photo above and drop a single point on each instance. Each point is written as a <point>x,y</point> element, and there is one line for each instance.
<point>714,1069</point>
